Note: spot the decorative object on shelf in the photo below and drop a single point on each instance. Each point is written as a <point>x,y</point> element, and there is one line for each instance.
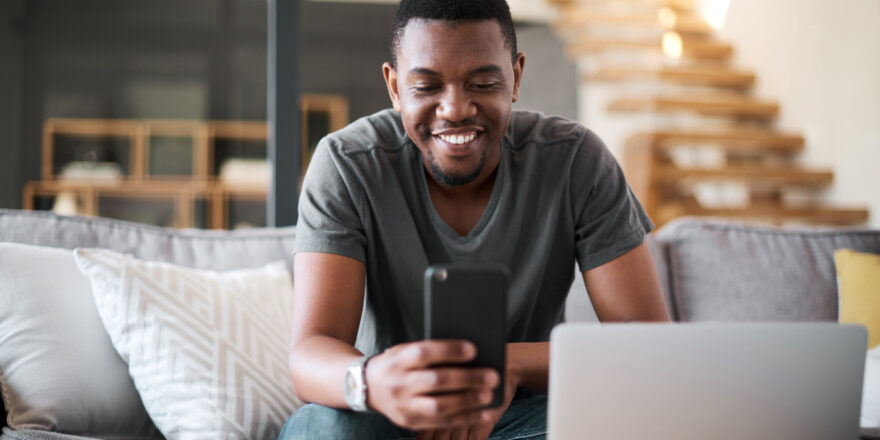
<point>92,171</point>
<point>254,172</point>
<point>67,204</point>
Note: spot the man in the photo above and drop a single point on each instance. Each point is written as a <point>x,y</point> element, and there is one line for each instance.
<point>452,174</point>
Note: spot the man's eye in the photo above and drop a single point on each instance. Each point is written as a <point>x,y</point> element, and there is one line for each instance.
<point>425,88</point>
<point>486,85</point>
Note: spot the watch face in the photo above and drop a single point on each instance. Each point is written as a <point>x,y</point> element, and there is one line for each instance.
<point>350,383</point>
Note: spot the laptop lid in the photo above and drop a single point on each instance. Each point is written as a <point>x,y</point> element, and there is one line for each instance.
<point>698,381</point>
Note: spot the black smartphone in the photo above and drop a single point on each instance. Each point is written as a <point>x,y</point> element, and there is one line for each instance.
<point>470,302</point>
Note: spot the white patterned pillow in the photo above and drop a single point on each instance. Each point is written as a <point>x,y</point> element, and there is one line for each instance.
<point>207,350</point>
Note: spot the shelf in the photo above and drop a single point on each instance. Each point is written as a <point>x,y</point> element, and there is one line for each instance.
<point>734,140</point>
<point>679,5</point>
<point>171,170</point>
<point>811,214</point>
<point>578,17</point>
<point>757,175</point>
<point>691,48</point>
<point>698,76</point>
<point>734,106</point>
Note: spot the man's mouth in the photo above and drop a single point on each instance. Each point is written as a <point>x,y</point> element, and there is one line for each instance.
<point>458,138</point>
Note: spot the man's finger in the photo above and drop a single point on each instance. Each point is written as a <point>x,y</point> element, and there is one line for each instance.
<point>480,432</point>
<point>451,379</point>
<point>445,406</point>
<point>421,354</point>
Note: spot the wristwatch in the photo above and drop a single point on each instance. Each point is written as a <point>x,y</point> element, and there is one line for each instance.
<point>356,385</point>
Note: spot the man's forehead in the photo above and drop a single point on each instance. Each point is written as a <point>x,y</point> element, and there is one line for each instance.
<point>423,38</point>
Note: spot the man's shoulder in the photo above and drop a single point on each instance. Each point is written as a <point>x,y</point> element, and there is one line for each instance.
<point>383,129</point>
<point>529,128</point>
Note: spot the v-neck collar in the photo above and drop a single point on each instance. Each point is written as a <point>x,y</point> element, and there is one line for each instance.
<point>488,212</point>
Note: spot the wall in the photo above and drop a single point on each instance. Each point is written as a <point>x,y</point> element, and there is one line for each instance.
<point>550,79</point>
<point>821,60</point>
<point>11,53</point>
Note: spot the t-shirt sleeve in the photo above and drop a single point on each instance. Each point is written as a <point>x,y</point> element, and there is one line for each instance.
<point>609,220</point>
<point>329,219</point>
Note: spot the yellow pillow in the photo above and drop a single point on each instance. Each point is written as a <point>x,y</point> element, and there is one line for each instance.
<point>858,280</point>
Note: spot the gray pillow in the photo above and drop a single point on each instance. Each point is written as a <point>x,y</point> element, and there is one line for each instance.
<point>58,369</point>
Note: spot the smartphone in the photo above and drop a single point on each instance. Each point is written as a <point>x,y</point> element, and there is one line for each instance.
<point>470,302</point>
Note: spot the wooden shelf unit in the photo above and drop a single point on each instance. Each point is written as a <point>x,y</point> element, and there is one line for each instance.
<point>181,191</point>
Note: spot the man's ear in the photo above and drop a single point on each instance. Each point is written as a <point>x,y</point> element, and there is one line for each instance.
<point>390,74</point>
<point>518,67</point>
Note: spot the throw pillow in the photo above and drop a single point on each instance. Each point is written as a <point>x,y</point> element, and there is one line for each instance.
<point>858,279</point>
<point>207,350</point>
<point>871,391</point>
<point>58,369</point>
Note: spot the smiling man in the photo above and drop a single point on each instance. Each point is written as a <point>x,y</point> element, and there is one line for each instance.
<point>452,174</point>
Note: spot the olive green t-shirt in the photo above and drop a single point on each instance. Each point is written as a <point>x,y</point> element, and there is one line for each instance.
<point>559,197</point>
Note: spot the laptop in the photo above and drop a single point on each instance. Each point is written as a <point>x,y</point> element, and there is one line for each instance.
<point>799,381</point>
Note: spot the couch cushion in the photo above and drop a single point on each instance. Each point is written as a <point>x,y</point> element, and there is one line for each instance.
<point>207,350</point>
<point>726,271</point>
<point>58,370</point>
<point>858,278</point>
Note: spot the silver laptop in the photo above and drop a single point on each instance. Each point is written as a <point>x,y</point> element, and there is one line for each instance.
<point>706,381</point>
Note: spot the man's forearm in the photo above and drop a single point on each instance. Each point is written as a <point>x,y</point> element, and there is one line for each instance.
<point>530,363</point>
<point>318,365</point>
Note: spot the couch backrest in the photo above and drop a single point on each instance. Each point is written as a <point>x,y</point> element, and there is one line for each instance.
<point>215,250</point>
<point>725,271</point>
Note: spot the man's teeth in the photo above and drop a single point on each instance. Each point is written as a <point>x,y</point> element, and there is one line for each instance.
<point>458,139</point>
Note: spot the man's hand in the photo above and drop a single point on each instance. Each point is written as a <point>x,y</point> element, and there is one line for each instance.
<point>481,431</point>
<point>417,386</point>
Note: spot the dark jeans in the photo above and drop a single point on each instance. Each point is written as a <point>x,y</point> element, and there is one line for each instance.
<point>526,418</point>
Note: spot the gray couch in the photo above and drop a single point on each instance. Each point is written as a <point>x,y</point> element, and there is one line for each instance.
<point>710,270</point>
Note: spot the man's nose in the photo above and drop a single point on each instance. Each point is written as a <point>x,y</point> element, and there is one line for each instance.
<point>455,105</point>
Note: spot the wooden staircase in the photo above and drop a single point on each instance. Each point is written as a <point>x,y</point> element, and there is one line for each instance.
<point>712,110</point>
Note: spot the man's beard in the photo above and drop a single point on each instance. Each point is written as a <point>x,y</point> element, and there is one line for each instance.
<point>450,179</point>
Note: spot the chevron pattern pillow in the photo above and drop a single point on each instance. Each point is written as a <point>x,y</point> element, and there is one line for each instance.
<point>207,351</point>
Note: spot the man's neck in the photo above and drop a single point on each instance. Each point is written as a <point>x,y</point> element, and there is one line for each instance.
<point>462,206</point>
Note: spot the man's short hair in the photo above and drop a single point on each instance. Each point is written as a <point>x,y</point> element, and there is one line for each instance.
<point>453,10</point>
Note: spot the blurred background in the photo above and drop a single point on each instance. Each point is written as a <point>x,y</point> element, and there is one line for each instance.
<point>156,111</point>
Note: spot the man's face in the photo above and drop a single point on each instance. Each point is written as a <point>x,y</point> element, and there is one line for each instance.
<point>454,87</point>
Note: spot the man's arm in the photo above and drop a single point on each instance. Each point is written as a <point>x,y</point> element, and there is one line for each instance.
<point>328,299</point>
<point>627,288</point>
<point>622,290</point>
<point>412,384</point>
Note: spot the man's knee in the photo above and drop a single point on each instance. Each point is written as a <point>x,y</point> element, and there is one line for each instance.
<point>316,422</point>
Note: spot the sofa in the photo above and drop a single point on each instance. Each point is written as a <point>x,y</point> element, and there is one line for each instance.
<point>710,270</point>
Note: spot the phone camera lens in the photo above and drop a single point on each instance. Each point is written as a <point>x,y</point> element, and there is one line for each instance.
<point>440,275</point>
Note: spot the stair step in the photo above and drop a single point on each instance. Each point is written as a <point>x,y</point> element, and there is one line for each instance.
<point>706,105</point>
<point>575,17</point>
<point>761,175</point>
<point>678,5</point>
<point>702,76</point>
<point>747,139</point>
<point>691,48</point>
<point>814,214</point>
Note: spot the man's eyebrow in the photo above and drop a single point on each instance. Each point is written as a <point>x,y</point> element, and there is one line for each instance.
<point>489,68</point>
<point>423,71</point>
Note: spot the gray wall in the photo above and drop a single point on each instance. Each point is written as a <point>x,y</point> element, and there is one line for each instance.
<point>11,60</point>
<point>199,59</point>
<point>550,80</point>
